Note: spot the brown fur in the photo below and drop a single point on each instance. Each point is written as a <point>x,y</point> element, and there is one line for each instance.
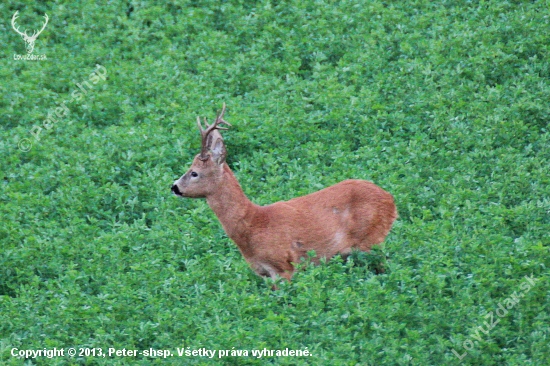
<point>351,214</point>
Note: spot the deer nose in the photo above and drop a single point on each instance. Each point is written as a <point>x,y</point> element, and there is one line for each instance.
<point>176,190</point>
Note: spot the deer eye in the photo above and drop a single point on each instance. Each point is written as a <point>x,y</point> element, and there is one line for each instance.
<point>194,174</point>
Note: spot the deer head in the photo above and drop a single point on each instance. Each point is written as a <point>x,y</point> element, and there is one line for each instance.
<point>28,39</point>
<point>205,174</point>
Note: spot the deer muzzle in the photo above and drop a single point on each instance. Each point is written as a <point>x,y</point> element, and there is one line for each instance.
<point>176,190</point>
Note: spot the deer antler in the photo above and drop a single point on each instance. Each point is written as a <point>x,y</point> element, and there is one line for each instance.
<point>24,35</point>
<point>209,128</point>
<point>36,34</point>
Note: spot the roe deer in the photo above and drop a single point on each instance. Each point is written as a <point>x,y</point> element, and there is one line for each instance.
<point>350,214</point>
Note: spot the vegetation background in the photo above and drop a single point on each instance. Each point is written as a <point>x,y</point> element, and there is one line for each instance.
<point>445,104</point>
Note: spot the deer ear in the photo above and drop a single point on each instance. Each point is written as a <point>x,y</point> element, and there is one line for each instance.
<point>218,151</point>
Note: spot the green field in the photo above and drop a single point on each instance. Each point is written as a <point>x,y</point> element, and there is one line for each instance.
<point>444,104</point>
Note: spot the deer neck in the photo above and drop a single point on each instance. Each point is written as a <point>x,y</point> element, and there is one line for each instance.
<point>233,208</point>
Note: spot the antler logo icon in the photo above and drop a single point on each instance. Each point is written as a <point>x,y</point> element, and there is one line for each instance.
<point>28,39</point>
